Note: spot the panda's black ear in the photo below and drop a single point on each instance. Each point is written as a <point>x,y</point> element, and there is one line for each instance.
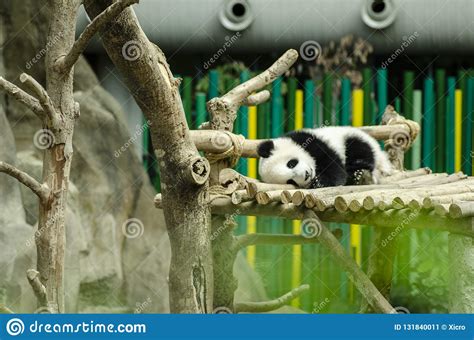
<point>264,149</point>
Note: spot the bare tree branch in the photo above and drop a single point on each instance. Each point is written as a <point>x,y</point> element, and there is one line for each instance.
<point>40,190</point>
<point>42,94</point>
<point>215,141</point>
<point>22,97</point>
<point>257,98</point>
<point>99,21</point>
<point>267,306</point>
<point>38,288</point>
<point>224,109</point>
<point>278,239</point>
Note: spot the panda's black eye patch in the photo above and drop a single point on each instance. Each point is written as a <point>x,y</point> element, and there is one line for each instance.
<point>292,163</point>
<point>290,181</point>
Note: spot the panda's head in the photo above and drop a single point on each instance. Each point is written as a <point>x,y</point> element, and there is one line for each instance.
<point>282,161</point>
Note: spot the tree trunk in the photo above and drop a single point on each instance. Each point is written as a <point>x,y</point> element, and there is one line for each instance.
<point>183,172</point>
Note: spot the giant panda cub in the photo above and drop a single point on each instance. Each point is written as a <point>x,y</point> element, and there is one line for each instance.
<point>323,157</point>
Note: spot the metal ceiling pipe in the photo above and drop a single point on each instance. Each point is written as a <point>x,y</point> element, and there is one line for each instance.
<point>204,26</point>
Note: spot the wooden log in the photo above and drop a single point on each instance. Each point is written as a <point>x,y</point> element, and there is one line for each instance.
<point>415,204</point>
<point>254,187</point>
<point>286,196</point>
<point>356,204</point>
<point>457,178</point>
<point>298,197</point>
<point>403,200</point>
<point>214,141</point>
<point>321,204</point>
<point>309,200</point>
<point>353,202</point>
<point>421,179</point>
<point>441,209</point>
<point>429,202</point>
<point>266,197</point>
<point>461,209</point>
<point>384,204</point>
<point>384,219</point>
<point>240,196</point>
<point>401,175</point>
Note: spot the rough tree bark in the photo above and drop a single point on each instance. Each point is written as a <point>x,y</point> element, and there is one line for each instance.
<point>184,173</point>
<point>55,107</point>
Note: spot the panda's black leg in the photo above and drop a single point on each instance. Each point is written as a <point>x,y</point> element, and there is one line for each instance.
<point>360,161</point>
<point>360,177</point>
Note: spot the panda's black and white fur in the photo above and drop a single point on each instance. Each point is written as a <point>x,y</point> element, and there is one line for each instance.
<point>329,156</point>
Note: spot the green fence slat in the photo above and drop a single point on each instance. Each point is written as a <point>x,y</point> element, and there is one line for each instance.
<point>309,104</point>
<point>449,125</point>
<point>277,109</point>
<point>408,87</point>
<point>417,113</point>
<point>187,89</point>
<point>428,127</point>
<point>440,83</point>
<point>243,116</point>
<point>290,103</point>
<point>345,102</point>
<point>468,140</point>
<point>327,99</point>
<point>369,118</point>
<point>201,114</point>
<point>398,104</point>
<point>213,84</point>
<point>382,93</point>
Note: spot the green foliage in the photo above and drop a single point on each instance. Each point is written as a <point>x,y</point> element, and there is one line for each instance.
<point>426,290</point>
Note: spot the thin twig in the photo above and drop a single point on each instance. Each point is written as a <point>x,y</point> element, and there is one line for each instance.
<point>38,288</point>
<point>241,92</point>
<point>99,21</point>
<point>267,306</point>
<point>5,310</point>
<point>22,97</point>
<point>40,190</point>
<point>43,97</point>
<point>223,109</point>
